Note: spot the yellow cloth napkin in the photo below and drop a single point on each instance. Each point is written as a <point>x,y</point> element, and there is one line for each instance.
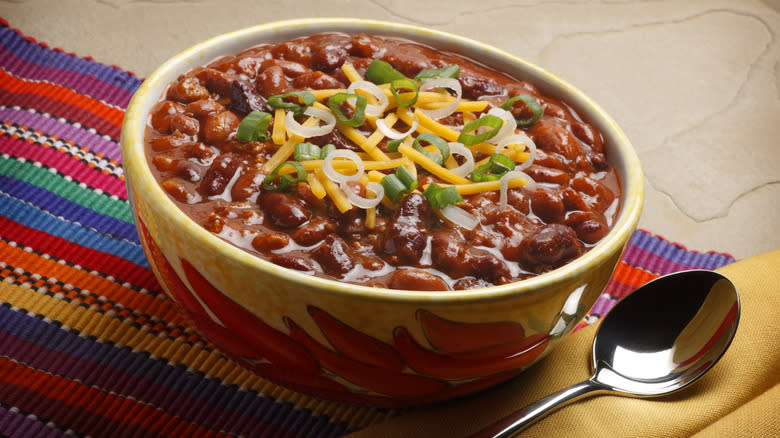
<point>739,397</point>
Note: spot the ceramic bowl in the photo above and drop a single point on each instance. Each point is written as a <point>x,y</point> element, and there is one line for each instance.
<point>354,343</point>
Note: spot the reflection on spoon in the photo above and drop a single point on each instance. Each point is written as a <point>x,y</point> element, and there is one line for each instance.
<point>657,340</point>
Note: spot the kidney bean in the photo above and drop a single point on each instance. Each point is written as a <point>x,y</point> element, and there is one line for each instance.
<point>334,255</point>
<point>272,81</point>
<point>249,65</point>
<point>362,46</point>
<point>407,234</point>
<point>521,87</point>
<point>185,124</point>
<point>572,200</point>
<point>486,266</point>
<point>270,241</point>
<point>328,57</point>
<point>304,192</point>
<point>467,283</point>
<point>313,231</point>
<point>475,85</point>
<point>476,363</point>
<point>552,160</point>
<point>201,152</point>
<point>355,344</point>
<point>216,81</point>
<point>244,99</point>
<point>168,142</point>
<point>416,279</point>
<point>599,196</point>
<point>296,262</point>
<point>587,134</point>
<point>548,175</point>
<point>204,107</point>
<point>449,254</point>
<point>188,89</point>
<point>590,226</point>
<point>291,51</point>
<point>550,246</point>
<point>317,80</point>
<point>219,127</point>
<point>549,134</point>
<point>519,200</point>
<point>290,68</point>
<point>163,163</point>
<point>160,117</point>
<point>247,184</point>
<point>456,337</point>
<point>179,191</point>
<point>547,204</point>
<point>552,109</point>
<point>188,171</point>
<point>219,174</point>
<point>284,210</point>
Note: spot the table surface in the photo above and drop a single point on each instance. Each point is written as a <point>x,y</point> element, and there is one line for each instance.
<point>695,84</point>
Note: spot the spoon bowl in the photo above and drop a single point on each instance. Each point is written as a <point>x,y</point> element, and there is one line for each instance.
<point>657,340</point>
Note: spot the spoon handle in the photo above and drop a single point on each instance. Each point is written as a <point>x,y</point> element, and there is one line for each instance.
<point>523,418</point>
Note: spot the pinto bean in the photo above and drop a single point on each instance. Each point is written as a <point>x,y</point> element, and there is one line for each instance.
<point>267,242</point>
<point>550,246</point>
<point>188,89</point>
<point>204,107</point>
<point>416,279</point>
<point>216,81</point>
<point>334,255</point>
<point>272,81</point>
<point>160,117</point>
<point>219,127</point>
<point>284,210</point>
<point>185,124</point>
<point>407,234</point>
<point>291,51</point>
<point>219,174</point>
<point>168,142</point>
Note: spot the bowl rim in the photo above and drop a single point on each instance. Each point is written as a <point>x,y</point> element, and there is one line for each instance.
<point>139,174</point>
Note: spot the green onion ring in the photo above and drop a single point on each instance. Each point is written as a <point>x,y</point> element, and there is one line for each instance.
<point>449,71</point>
<point>358,117</point>
<point>254,127</point>
<point>532,105</point>
<point>408,84</point>
<point>305,98</point>
<point>381,72</point>
<point>285,181</point>
<point>440,143</point>
<point>440,197</point>
<point>468,139</point>
<point>306,152</point>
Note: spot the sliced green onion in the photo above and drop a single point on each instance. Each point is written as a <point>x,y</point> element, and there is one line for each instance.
<point>408,84</point>
<point>326,150</point>
<point>494,169</point>
<point>392,145</point>
<point>381,72</point>
<point>532,105</point>
<point>398,184</point>
<point>358,117</point>
<point>406,178</point>
<point>306,152</point>
<point>467,138</point>
<point>440,197</point>
<point>304,99</point>
<point>285,181</point>
<point>440,143</point>
<point>449,71</point>
<point>254,127</point>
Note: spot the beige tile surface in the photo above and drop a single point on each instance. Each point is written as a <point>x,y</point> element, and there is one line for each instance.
<point>695,84</point>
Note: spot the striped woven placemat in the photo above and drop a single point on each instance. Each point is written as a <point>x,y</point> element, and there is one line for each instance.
<point>89,345</point>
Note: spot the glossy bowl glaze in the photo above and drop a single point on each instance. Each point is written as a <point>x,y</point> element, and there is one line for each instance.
<point>354,343</point>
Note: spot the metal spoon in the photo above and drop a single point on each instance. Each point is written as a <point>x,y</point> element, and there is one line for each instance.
<point>657,340</point>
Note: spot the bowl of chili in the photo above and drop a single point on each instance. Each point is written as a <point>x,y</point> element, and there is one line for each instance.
<point>373,212</point>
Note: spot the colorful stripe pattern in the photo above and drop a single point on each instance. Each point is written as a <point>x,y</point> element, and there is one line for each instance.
<point>89,345</point>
